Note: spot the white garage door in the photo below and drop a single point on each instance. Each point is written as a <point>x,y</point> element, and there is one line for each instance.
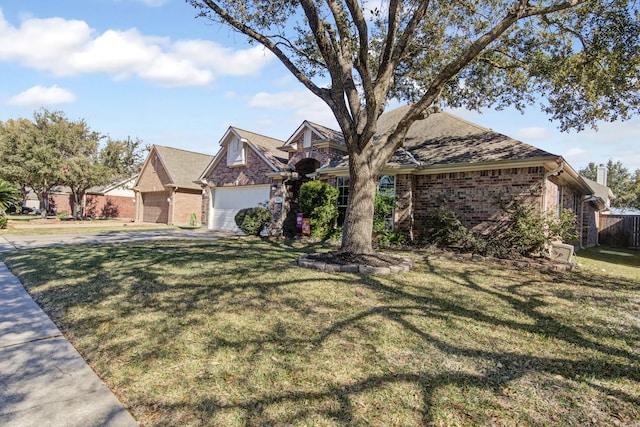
<point>228,201</point>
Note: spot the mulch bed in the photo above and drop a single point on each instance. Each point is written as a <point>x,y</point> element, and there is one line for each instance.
<point>346,258</point>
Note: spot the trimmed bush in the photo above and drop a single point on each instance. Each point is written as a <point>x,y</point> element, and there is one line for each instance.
<point>3,221</point>
<point>319,203</point>
<point>253,220</point>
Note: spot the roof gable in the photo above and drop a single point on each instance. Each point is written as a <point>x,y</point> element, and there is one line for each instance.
<point>319,133</point>
<point>182,167</point>
<point>266,147</point>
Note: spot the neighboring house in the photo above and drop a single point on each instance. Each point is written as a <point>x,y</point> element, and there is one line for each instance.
<point>166,189</point>
<point>239,176</point>
<point>112,201</point>
<point>61,200</point>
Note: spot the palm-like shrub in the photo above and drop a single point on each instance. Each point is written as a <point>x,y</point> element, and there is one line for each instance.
<point>8,195</point>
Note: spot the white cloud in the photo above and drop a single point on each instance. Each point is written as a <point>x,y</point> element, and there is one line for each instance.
<point>577,156</point>
<point>533,133</point>
<point>41,96</point>
<point>152,3</point>
<point>70,47</point>
<point>305,106</point>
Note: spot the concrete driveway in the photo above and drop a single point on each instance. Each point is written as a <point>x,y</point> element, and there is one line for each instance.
<point>11,242</point>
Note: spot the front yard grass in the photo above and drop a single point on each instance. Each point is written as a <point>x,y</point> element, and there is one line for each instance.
<point>232,332</point>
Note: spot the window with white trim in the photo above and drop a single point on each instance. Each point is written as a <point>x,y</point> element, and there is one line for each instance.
<point>387,187</point>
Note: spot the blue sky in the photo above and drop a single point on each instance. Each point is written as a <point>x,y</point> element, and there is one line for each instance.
<point>148,69</point>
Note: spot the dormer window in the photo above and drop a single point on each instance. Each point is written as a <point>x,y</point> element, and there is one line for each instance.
<point>307,139</point>
<point>235,153</point>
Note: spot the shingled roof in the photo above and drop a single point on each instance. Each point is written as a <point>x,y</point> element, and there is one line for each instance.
<point>183,167</point>
<point>328,133</point>
<point>269,147</point>
<point>444,139</point>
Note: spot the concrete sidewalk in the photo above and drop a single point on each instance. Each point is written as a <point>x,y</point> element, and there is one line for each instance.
<point>43,380</point>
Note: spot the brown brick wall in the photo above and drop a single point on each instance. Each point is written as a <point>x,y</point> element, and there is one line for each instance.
<point>471,195</point>
<point>61,202</point>
<point>101,206</point>
<point>185,202</point>
<point>153,177</point>
<point>254,172</point>
<point>590,222</point>
<point>322,155</point>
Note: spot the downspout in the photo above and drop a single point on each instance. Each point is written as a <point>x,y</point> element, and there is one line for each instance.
<point>584,198</point>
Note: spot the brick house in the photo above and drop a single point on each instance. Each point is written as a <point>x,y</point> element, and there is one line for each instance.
<point>112,201</point>
<point>240,176</point>
<point>448,161</point>
<point>166,189</point>
<point>108,201</point>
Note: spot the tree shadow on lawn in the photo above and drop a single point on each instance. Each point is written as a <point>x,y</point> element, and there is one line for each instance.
<point>253,340</point>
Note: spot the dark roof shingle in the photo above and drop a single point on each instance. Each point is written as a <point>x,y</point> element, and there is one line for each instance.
<point>184,167</point>
<point>444,139</point>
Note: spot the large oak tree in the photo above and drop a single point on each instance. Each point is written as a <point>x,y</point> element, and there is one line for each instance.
<point>578,58</point>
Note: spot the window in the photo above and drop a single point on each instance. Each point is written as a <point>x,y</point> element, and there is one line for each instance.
<point>386,187</point>
<point>307,139</point>
<point>235,153</point>
<point>342,184</point>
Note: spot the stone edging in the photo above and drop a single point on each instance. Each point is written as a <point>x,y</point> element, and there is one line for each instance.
<point>405,266</point>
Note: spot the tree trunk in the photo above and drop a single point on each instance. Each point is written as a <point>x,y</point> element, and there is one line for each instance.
<point>358,221</point>
<point>77,212</point>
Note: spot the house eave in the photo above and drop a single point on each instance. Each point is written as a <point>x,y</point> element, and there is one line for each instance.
<point>421,169</point>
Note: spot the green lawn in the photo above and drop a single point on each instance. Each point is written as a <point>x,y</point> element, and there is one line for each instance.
<point>614,261</point>
<point>232,332</point>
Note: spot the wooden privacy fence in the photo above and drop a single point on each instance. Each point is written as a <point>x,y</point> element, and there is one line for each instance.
<point>620,230</point>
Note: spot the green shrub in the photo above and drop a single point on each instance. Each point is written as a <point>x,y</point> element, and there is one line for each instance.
<point>3,221</point>
<point>193,220</point>
<point>389,239</point>
<point>253,220</point>
<point>382,210</point>
<point>319,203</point>
<point>526,233</point>
<point>443,228</point>
<point>522,233</point>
